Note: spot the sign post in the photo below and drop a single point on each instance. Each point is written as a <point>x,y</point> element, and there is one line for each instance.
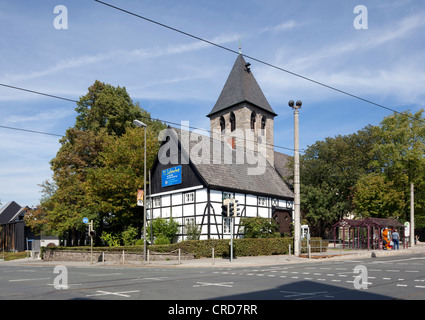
<point>406,233</point>
<point>91,234</point>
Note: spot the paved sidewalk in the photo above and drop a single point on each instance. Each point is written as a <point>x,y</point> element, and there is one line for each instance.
<point>331,255</point>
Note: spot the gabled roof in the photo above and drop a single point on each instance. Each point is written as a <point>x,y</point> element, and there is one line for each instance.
<point>219,167</point>
<point>381,222</point>
<point>368,222</point>
<point>9,212</point>
<point>241,87</point>
<point>281,161</point>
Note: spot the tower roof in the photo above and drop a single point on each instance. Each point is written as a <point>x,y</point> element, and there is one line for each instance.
<point>240,87</point>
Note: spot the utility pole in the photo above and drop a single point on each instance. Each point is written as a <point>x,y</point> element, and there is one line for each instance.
<point>140,124</point>
<point>412,215</point>
<point>297,218</point>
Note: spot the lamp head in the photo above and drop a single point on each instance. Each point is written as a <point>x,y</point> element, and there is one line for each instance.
<point>139,123</point>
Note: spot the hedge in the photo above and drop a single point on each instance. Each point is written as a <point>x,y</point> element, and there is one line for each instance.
<point>241,247</point>
<point>203,248</point>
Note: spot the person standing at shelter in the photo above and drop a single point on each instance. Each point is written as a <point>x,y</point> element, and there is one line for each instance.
<point>396,238</point>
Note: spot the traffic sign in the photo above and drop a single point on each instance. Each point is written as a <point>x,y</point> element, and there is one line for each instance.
<point>407,229</point>
<point>85,220</point>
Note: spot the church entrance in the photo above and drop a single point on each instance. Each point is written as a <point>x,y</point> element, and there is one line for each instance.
<point>283,218</point>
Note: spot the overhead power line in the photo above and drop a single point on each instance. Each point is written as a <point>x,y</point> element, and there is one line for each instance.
<point>246,56</point>
<point>32,131</point>
<point>72,100</point>
<point>37,92</point>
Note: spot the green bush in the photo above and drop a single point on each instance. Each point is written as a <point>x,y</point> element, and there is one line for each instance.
<point>162,239</point>
<point>242,247</point>
<point>164,227</point>
<point>111,239</point>
<point>129,236</point>
<point>260,228</point>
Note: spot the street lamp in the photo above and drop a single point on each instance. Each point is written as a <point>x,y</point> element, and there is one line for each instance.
<point>140,124</point>
<point>297,218</point>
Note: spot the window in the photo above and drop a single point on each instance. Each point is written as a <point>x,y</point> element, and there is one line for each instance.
<point>156,202</point>
<point>232,121</point>
<point>228,195</point>
<point>189,197</point>
<point>262,201</point>
<point>263,125</point>
<point>253,116</point>
<point>222,124</point>
<point>226,225</point>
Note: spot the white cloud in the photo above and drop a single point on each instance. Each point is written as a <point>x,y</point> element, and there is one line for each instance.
<point>284,26</point>
<point>117,56</point>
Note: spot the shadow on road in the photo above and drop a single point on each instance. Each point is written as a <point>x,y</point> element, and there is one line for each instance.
<point>308,290</point>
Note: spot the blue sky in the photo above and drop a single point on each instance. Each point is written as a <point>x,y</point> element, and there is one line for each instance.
<point>177,78</point>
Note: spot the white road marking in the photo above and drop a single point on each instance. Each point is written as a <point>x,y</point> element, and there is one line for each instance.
<point>105,293</point>
<point>296,294</point>
<point>220,284</point>
<point>34,279</point>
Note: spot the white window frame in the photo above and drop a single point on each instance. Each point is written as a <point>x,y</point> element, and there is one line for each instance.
<point>228,195</point>
<point>156,202</point>
<point>262,202</point>
<point>189,197</point>
<point>227,225</point>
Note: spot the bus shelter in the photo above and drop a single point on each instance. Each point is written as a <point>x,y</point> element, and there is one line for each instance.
<point>366,233</point>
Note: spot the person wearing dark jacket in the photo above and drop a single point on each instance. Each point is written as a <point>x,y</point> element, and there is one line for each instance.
<point>396,238</point>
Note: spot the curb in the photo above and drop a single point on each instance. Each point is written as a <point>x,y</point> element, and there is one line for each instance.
<point>257,261</point>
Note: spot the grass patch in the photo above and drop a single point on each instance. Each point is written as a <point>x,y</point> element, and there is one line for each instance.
<point>7,256</point>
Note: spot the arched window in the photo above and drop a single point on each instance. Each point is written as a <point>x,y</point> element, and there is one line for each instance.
<point>222,124</point>
<point>263,125</point>
<point>232,121</point>
<point>253,116</point>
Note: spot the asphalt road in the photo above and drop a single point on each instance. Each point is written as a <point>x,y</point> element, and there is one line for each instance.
<point>384,278</point>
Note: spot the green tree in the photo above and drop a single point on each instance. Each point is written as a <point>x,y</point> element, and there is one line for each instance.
<point>399,155</point>
<point>259,227</point>
<point>129,236</point>
<point>377,197</point>
<point>111,187</point>
<point>98,168</point>
<point>163,228</point>
<point>105,106</point>
<point>329,170</point>
<point>192,231</point>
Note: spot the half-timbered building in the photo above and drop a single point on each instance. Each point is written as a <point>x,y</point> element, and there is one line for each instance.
<point>194,172</point>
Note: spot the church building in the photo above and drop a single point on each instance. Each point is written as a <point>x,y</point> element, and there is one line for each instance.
<point>193,173</point>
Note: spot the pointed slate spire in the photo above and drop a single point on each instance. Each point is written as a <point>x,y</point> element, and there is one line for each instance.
<point>240,87</point>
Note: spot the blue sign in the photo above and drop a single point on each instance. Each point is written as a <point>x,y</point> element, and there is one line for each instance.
<point>85,220</point>
<point>171,176</point>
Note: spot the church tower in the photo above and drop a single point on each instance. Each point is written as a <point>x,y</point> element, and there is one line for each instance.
<point>243,107</point>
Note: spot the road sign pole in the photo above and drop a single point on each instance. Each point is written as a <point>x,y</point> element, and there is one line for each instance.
<point>231,239</point>
<point>91,241</point>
